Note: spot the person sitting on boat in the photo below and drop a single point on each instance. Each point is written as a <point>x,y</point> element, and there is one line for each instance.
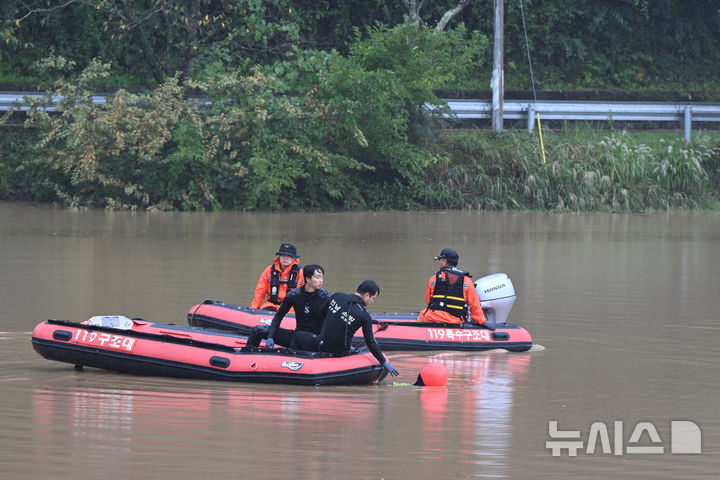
<point>346,313</point>
<point>310,303</point>
<point>450,294</point>
<point>277,279</point>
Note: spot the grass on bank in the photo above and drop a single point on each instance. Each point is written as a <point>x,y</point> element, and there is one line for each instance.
<point>585,169</point>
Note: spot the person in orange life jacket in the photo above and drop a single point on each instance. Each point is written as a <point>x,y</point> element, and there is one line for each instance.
<point>346,313</point>
<point>450,294</point>
<point>310,304</point>
<point>277,279</point>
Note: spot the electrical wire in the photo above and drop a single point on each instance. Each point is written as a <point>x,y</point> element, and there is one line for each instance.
<point>527,47</point>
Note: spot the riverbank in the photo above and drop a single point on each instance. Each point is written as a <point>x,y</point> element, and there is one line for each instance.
<point>580,169</point>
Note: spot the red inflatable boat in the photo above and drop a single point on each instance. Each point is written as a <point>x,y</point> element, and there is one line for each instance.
<point>398,331</point>
<point>145,348</point>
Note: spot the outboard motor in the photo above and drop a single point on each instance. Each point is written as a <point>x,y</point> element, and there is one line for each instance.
<point>497,295</point>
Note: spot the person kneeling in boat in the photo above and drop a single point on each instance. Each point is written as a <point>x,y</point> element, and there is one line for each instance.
<point>346,314</point>
<point>450,294</point>
<point>282,276</point>
<point>310,303</point>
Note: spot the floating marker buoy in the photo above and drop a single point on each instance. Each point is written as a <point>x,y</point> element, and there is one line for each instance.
<point>432,375</point>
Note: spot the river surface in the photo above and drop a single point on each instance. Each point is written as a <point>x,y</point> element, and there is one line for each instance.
<point>623,310</point>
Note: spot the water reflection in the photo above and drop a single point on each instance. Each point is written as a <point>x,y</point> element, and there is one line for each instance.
<point>470,419</point>
<point>468,422</point>
<point>303,428</point>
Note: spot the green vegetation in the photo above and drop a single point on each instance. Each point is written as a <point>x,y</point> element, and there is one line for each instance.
<point>320,105</point>
<point>668,45</point>
<point>583,170</point>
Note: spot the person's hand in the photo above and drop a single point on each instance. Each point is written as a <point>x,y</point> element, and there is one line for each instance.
<point>392,370</point>
<point>269,343</point>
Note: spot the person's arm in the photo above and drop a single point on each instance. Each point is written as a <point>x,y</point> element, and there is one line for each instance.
<point>372,344</point>
<point>474,302</point>
<point>325,303</point>
<point>429,290</point>
<point>280,314</point>
<point>261,290</point>
<point>367,329</point>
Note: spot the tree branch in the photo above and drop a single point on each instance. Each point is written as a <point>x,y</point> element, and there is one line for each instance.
<point>413,8</point>
<point>32,11</point>
<point>450,14</point>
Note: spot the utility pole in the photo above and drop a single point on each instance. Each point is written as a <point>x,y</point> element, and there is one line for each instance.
<point>497,82</point>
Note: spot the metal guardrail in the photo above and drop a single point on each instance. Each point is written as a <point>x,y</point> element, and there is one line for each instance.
<point>587,111</point>
<point>16,100</point>
<point>686,113</point>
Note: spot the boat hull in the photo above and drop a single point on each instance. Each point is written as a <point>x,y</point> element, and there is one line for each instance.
<point>393,331</point>
<point>196,353</point>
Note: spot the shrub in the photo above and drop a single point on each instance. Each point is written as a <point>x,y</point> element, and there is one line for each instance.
<point>132,151</point>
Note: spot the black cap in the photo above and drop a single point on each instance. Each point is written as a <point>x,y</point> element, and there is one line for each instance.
<point>288,249</point>
<point>450,255</point>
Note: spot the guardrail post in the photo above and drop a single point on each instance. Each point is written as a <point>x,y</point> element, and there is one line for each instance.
<point>531,118</point>
<point>688,122</point>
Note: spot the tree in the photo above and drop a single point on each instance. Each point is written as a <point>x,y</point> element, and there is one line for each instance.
<point>413,8</point>
<point>14,13</point>
<point>132,151</point>
<point>157,39</point>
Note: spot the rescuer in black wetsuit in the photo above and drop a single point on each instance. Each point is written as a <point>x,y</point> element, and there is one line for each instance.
<point>346,313</point>
<point>310,304</point>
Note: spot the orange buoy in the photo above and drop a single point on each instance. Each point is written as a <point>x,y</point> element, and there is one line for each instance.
<point>432,375</point>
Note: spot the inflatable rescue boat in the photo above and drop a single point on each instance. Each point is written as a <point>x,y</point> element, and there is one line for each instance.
<point>398,331</point>
<point>140,347</point>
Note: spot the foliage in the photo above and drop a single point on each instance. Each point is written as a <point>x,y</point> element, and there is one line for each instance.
<point>277,144</point>
<point>371,106</point>
<point>284,127</point>
<point>628,44</point>
<point>614,172</point>
<point>574,44</point>
<point>129,152</point>
<point>150,40</point>
<point>386,85</point>
<point>316,130</point>
<point>14,148</point>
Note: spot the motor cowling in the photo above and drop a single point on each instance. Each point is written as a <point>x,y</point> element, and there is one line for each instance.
<point>497,295</point>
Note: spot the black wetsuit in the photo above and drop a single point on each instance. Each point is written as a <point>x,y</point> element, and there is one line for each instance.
<point>310,311</point>
<point>346,313</point>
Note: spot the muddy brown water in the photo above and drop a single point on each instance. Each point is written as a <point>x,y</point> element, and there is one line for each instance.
<point>623,310</point>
